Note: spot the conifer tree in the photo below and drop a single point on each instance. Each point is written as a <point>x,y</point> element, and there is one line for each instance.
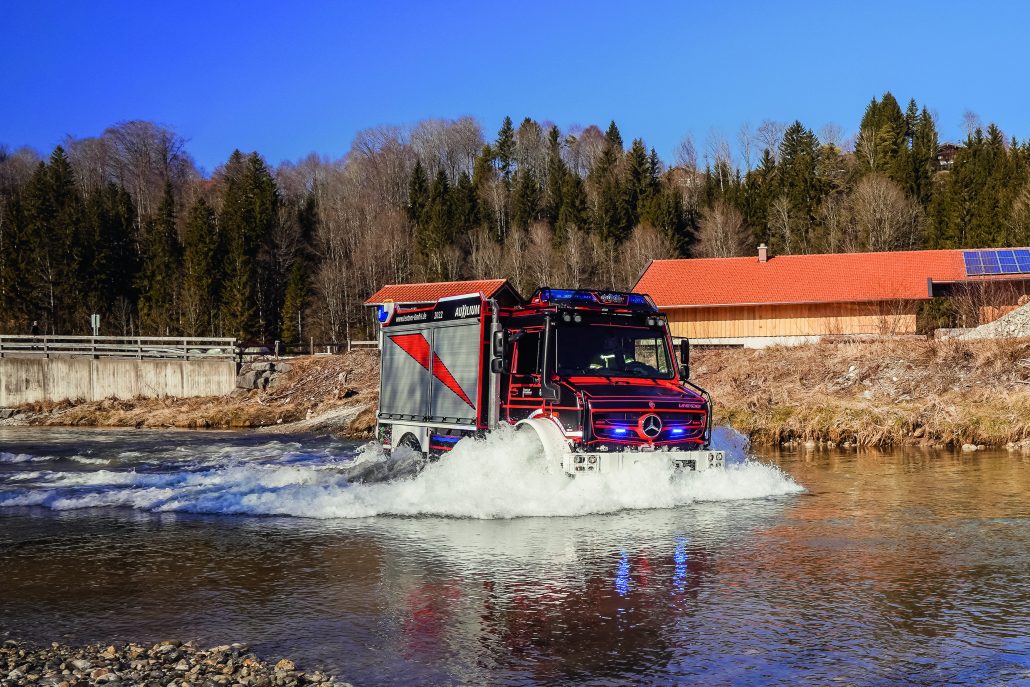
<point>53,245</point>
<point>526,198</point>
<point>798,169</point>
<point>293,306</point>
<point>418,193</point>
<point>465,205</point>
<point>160,277</point>
<point>556,171</point>
<point>110,264</point>
<point>638,181</point>
<point>200,270</point>
<point>924,158</point>
<point>574,212</point>
<point>613,136</point>
<point>504,149</point>
<point>239,227</point>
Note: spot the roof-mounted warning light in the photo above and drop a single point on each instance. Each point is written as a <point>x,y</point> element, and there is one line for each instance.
<point>592,299</point>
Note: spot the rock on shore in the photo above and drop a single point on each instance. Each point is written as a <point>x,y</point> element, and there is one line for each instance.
<point>165,664</point>
<point>1015,324</point>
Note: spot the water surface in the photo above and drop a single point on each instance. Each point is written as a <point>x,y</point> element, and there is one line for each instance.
<point>844,568</point>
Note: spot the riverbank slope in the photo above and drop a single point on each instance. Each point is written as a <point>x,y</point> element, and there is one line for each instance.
<point>936,393</point>
<point>883,393</point>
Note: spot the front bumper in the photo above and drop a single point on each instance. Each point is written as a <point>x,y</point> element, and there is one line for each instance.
<point>579,463</point>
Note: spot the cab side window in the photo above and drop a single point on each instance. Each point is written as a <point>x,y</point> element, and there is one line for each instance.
<point>528,358</point>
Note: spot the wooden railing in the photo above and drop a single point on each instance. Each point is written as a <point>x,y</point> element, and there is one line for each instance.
<point>159,347</point>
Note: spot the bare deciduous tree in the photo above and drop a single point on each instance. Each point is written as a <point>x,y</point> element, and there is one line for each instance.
<point>721,232</point>
<point>783,224</point>
<point>884,218</point>
<point>746,141</point>
<point>770,133</point>
<point>686,153</point>
<point>832,134</point>
<point>584,149</point>
<point>144,156</point>
<point>720,156</point>
<point>971,122</point>
<point>644,245</point>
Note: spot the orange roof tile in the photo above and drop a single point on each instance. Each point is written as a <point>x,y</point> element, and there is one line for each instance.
<point>843,277</point>
<point>431,292</point>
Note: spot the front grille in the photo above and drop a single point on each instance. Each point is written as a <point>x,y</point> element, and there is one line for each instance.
<point>677,425</point>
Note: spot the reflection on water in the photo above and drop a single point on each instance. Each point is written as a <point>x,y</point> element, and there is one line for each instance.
<point>891,569</point>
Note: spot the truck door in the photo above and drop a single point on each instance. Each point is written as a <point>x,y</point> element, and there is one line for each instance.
<point>524,389</point>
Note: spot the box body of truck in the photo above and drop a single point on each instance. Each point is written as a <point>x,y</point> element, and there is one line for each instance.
<point>591,374</point>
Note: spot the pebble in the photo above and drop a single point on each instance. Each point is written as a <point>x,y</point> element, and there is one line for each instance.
<point>167,663</point>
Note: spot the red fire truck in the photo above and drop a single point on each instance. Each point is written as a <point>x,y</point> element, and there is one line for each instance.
<point>591,374</point>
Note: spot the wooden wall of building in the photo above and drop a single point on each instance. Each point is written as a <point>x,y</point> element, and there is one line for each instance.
<point>793,320</point>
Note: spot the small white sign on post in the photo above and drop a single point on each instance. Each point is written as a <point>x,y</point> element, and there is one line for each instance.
<point>94,321</point>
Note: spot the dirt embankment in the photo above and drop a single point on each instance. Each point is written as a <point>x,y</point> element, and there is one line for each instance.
<point>318,393</point>
<point>935,393</point>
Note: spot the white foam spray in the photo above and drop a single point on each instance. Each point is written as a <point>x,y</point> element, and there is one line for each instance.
<point>502,476</point>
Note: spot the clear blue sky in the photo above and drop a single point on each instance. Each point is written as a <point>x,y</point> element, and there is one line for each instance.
<point>288,78</point>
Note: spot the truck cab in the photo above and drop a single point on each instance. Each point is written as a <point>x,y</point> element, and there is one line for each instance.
<point>593,375</point>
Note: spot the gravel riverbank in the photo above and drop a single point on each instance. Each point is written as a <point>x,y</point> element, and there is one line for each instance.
<point>165,664</point>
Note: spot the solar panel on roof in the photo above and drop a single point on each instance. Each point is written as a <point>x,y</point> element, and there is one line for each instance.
<point>986,262</point>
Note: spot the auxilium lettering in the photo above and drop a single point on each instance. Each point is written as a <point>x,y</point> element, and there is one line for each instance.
<point>466,310</point>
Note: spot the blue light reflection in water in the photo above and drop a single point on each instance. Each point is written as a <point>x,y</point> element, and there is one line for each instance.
<point>622,575</point>
<point>679,558</point>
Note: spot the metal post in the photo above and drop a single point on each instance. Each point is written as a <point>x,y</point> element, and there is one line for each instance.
<point>494,396</point>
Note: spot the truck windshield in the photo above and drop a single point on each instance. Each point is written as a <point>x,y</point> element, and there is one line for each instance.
<point>613,352</point>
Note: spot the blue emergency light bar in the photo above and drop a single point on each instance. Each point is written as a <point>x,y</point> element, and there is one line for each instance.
<point>632,301</point>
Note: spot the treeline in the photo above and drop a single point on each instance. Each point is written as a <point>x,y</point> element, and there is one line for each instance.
<point>124,224</point>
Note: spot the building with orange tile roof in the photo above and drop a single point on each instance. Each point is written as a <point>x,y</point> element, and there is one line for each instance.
<point>430,292</point>
<point>760,300</point>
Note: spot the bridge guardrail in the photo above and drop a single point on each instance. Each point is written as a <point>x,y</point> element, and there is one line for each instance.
<point>139,347</point>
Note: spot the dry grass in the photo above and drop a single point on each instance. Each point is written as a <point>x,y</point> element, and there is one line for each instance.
<point>877,394</point>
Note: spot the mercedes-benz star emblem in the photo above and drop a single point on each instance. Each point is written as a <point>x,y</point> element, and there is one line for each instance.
<point>651,426</point>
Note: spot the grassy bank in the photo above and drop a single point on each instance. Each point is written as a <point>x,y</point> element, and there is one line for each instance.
<point>939,393</point>
<point>936,393</point>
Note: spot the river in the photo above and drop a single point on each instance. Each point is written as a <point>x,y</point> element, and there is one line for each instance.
<point>811,567</point>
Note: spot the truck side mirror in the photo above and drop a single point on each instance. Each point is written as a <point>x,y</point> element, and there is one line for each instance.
<point>684,359</point>
<point>548,389</point>
<point>497,344</point>
<point>498,359</point>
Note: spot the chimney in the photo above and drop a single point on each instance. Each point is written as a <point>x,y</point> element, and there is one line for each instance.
<point>763,253</point>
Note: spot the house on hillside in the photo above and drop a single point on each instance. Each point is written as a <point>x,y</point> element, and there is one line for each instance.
<point>762,300</point>
<point>946,153</point>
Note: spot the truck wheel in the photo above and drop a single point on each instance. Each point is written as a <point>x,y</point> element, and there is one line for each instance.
<point>409,441</point>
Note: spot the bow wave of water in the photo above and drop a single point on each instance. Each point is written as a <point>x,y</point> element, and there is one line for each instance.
<point>501,476</point>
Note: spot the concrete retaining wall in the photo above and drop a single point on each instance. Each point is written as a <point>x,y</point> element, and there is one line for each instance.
<point>27,380</point>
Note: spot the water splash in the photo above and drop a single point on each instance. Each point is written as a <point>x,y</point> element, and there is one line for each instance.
<point>502,476</point>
